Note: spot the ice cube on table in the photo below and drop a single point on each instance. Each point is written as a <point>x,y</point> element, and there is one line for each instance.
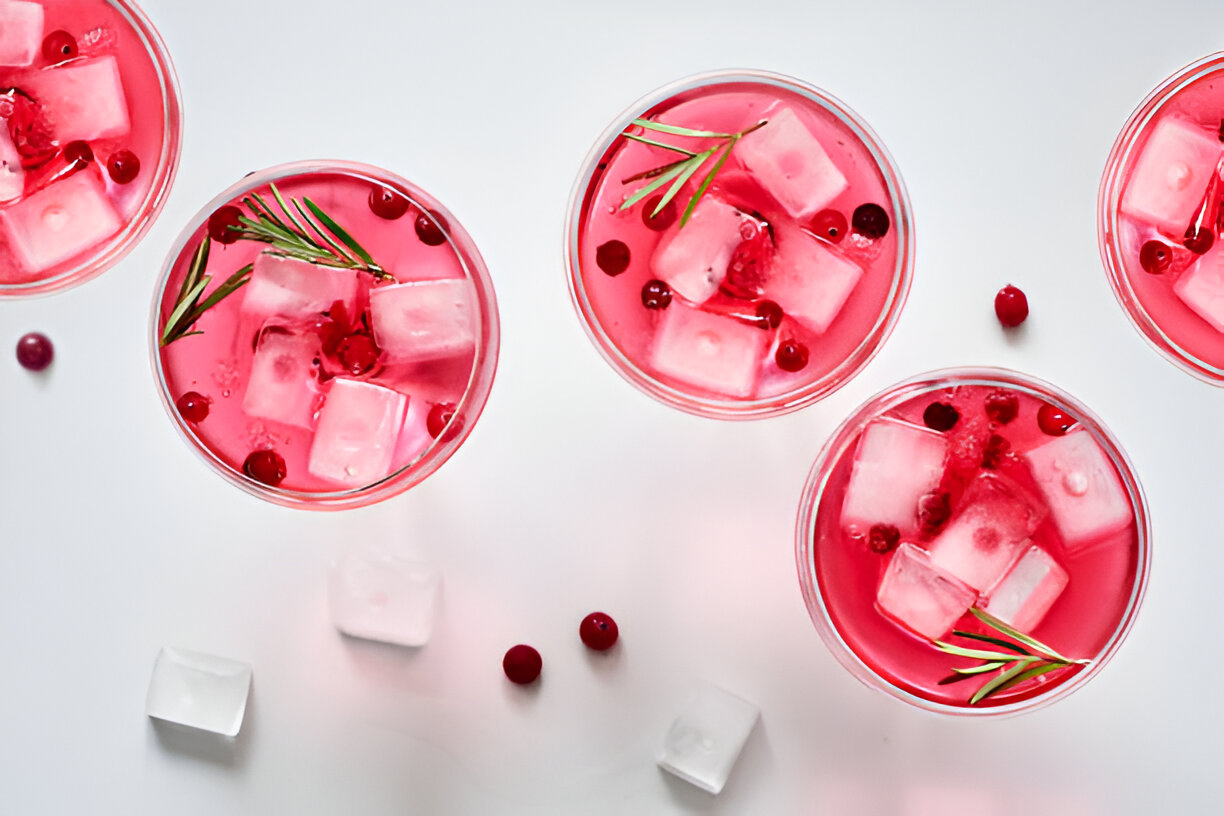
<point>920,596</point>
<point>1171,175</point>
<point>1201,287</point>
<point>384,596</point>
<point>993,522</point>
<point>199,690</point>
<point>790,164</point>
<point>424,320</point>
<point>283,386</point>
<point>693,260</point>
<point>896,464</point>
<point>706,738</point>
<point>83,99</point>
<point>21,32</point>
<point>1085,495</point>
<point>12,175</point>
<point>810,281</point>
<point>285,287</point>
<point>1026,592</point>
<point>713,352</point>
<point>60,221</point>
<point>355,440</point>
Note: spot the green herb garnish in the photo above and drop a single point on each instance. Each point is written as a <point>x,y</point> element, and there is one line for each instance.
<point>1025,658</point>
<point>187,307</point>
<point>681,170</point>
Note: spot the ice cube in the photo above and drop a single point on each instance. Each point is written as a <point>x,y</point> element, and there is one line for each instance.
<point>82,99</point>
<point>285,287</point>
<point>384,596</point>
<point>12,176</point>
<point>283,386</point>
<point>59,221</point>
<point>718,354</point>
<point>1201,287</point>
<point>414,436</point>
<point>693,260</point>
<point>808,280</point>
<point>1171,175</point>
<point>921,597</point>
<point>424,320</point>
<point>790,164</point>
<point>21,32</point>
<point>896,465</point>
<point>1081,487</point>
<point>994,521</point>
<point>1026,592</point>
<point>357,432</point>
<point>706,738</point>
<point>199,690</point>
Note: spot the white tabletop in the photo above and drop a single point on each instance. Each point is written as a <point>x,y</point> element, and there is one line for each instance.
<point>575,492</point>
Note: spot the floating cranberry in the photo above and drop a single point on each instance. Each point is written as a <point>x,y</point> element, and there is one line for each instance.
<point>1011,306</point>
<point>791,356</point>
<point>598,631</point>
<point>870,221</point>
<point>193,407</point>
<point>996,448</point>
<point>34,351</point>
<point>59,46</point>
<point>358,353</point>
<point>1198,239</point>
<point>883,538</point>
<point>522,664</point>
<point>933,510</point>
<point>1002,406</point>
<point>1053,421</point>
<point>265,466</point>
<point>123,167</point>
<point>439,417</point>
<point>224,224</point>
<point>831,225</point>
<point>612,257</point>
<point>431,228</point>
<point>665,218</point>
<point>1155,257</point>
<point>78,152</point>
<point>387,203</point>
<point>770,314</point>
<point>656,294</point>
<point>940,416</point>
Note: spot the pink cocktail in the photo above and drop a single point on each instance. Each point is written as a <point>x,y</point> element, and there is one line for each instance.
<point>325,334</point>
<point>739,244</point>
<point>90,138</point>
<point>973,542</point>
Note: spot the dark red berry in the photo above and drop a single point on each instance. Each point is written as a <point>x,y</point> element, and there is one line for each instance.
<point>1011,306</point>
<point>1155,257</point>
<point>34,351</point>
<point>870,221</point>
<point>522,664</point>
<point>123,166</point>
<point>656,294</point>
<point>996,448</point>
<point>598,631</point>
<point>358,353</point>
<point>431,228</point>
<point>78,152</point>
<point>1002,406</point>
<point>223,225</point>
<point>1198,239</point>
<point>791,355</point>
<point>831,225</point>
<point>665,218</point>
<point>933,510</point>
<point>387,203</point>
<point>265,466</point>
<point>439,417</point>
<point>940,416</point>
<point>883,538</point>
<point>1221,131</point>
<point>193,407</point>
<point>612,257</point>
<point>1053,421</point>
<point>770,314</point>
<point>59,46</point>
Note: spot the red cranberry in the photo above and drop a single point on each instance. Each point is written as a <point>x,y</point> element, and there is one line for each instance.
<point>870,221</point>
<point>1053,421</point>
<point>358,354</point>
<point>770,314</point>
<point>224,224</point>
<point>791,355</point>
<point>933,510</point>
<point>123,167</point>
<point>1011,306</point>
<point>996,448</point>
<point>387,203</point>
<point>598,631</point>
<point>1198,239</point>
<point>34,351</point>
<point>665,218</point>
<point>431,228</point>
<point>78,152</point>
<point>1002,406</point>
<point>522,664</point>
<point>1155,257</point>
<point>439,417</point>
<point>940,416</point>
<point>612,257</point>
<point>883,538</point>
<point>265,466</point>
<point>193,407</point>
<point>656,294</point>
<point>831,225</point>
<point>59,46</point>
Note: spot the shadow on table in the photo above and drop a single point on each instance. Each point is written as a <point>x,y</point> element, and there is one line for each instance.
<point>206,746</point>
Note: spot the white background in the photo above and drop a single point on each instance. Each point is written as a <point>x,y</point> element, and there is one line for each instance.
<point>575,492</point>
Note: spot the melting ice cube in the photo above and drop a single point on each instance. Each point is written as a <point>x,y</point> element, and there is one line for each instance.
<point>810,281</point>
<point>995,519</point>
<point>705,740</point>
<point>21,32</point>
<point>82,99</point>
<point>896,465</point>
<point>693,261</point>
<point>283,386</point>
<point>414,436</point>
<point>1171,175</point>
<point>715,353</point>
<point>1085,495</point>
<point>384,596</point>
<point>199,690</point>
<point>424,320</point>
<point>285,287</point>
<point>12,176</point>
<point>357,432</point>
<point>1201,287</point>
<point>1025,594</point>
<point>921,597</point>
<point>59,221</point>
<point>790,164</point>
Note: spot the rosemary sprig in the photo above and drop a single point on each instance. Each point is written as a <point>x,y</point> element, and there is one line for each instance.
<point>1025,658</point>
<point>187,306</point>
<point>678,172</point>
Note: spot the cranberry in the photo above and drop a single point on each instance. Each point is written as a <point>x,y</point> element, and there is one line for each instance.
<point>831,225</point>
<point>1155,257</point>
<point>791,355</point>
<point>1198,239</point>
<point>358,353</point>
<point>522,664</point>
<point>770,314</point>
<point>1053,421</point>
<point>940,416</point>
<point>81,152</point>
<point>1002,406</point>
<point>598,631</point>
<point>29,130</point>
<point>123,167</point>
<point>193,407</point>
<point>883,538</point>
<point>665,218</point>
<point>265,466</point>
<point>1221,130</point>
<point>34,351</point>
<point>933,510</point>
<point>612,257</point>
<point>996,448</point>
<point>656,294</point>
<point>59,46</point>
<point>870,221</point>
<point>745,276</point>
<point>387,203</point>
<point>439,417</point>
<point>224,225</point>
<point>1011,306</point>
<point>431,228</point>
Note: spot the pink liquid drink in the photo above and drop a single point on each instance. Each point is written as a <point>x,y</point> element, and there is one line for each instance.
<point>973,542</point>
<point>1161,218</point>
<point>739,245</point>
<point>325,334</point>
<point>90,141</point>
